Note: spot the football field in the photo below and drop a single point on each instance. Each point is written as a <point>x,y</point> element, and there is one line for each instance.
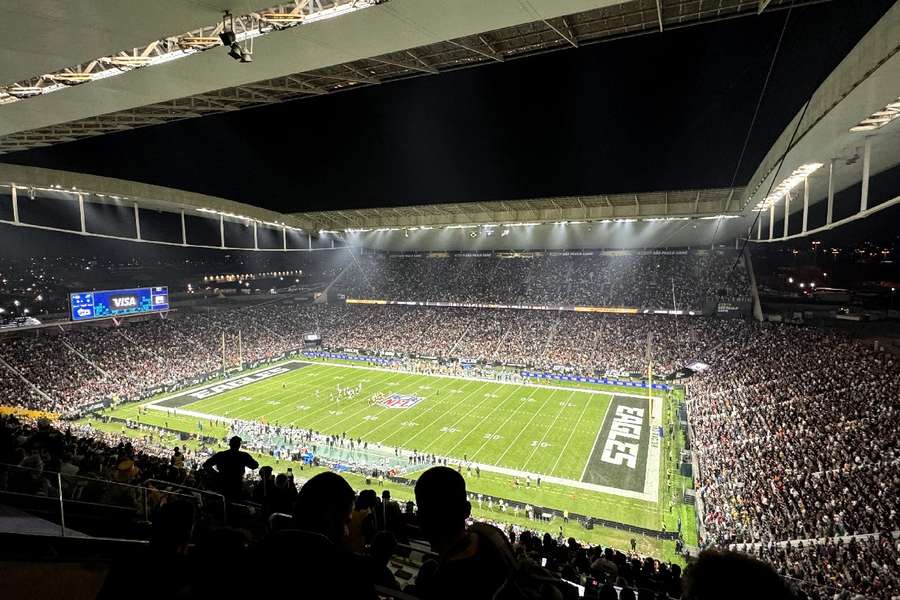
<point>582,437</point>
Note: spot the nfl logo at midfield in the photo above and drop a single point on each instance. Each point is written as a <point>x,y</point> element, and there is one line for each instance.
<point>399,401</point>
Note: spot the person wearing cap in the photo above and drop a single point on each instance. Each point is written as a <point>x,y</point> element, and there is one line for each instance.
<point>230,465</point>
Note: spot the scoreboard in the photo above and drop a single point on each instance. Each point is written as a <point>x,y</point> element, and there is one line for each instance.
<point>84,306</point>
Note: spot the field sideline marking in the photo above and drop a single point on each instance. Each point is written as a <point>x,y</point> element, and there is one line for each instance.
<point>596,439</point>
<point>526,383</point>
<point>591,487</point>
<point>644,496</point>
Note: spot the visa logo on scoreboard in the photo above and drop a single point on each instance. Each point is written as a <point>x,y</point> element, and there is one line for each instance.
<point>112,303</point>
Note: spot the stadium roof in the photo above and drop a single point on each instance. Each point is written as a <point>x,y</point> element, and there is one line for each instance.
<point>649,205</point>
<point>847,134</point>
<point>53,45</point>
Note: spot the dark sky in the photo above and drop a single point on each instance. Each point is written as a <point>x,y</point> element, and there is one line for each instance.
<point>657,112</point>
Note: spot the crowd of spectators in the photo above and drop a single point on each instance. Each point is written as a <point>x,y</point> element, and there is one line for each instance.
<point>64,371</point>
<point>796,435</point>
<point>689,279</point>
<point>337,542</point>
<point>795,429</point>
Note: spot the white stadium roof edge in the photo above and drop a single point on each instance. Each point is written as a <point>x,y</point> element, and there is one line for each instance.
<point>847,132</point>
<point>131,77</point>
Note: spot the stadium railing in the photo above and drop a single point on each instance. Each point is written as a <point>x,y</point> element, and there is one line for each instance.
<point>97,507</point>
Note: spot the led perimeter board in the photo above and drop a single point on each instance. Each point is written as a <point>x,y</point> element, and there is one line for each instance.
<point>84,306</point>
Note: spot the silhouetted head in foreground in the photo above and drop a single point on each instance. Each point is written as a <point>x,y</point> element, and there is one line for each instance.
<point>443,507</point>
<point>235,443</point>
<point>724,574</point>
<point>324,505</point>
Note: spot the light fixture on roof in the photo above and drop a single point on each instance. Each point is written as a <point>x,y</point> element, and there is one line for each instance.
<point>789,183</point>
<point>879,118</point>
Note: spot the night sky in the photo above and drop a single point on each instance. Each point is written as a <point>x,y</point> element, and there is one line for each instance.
<point>657,112</point>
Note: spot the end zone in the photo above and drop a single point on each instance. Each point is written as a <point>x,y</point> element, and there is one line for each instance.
<point>626,451</point>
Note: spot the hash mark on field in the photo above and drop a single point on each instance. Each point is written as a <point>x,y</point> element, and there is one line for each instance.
<point>527,425</point>
<point>455,423</point>
<point>571,433</point>
<point>563,405</point>
<point>511,415</point>
<point>483,420</point>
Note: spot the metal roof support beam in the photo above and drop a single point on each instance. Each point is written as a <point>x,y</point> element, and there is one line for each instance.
<point>762,6</point>
<point>659,14</point>
<point>771,221</point>
<point>830,215</point>
<point>416,65</point>
<point>805,203</point>
<point>490,55</point>
<point>697,203</point>
<point>307,86</point>
<point>347,78</point>
<point>787,212</point>
<point>487,44</point>
<point>569,37</point>
<point>866,168</point>
<point>367,78</point>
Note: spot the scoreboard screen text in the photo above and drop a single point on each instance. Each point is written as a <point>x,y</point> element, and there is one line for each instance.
<point>84,306</point>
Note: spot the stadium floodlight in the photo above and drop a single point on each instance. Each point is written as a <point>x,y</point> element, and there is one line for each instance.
<point>879,118</point>
<point>793,180</point>
<point>236,52</point>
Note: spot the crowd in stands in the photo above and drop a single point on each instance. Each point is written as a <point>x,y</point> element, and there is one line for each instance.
<point>796,430</point>
<point>333,541</point>
<point>797,434</point>
<point>656,280</point>
<point>64,371</point>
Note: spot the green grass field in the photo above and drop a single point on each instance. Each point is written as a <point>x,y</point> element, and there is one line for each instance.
<point>557,432</point>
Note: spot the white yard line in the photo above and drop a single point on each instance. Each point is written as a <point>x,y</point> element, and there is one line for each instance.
<point>527,425</point>
<point>502,425</point>
<point>562,408</point>
<point>571,435</point>
<point>466,415</point>
<point>483,419</point>
<point>597,439</point>
<point>454,406</point>
<point>402,413</point>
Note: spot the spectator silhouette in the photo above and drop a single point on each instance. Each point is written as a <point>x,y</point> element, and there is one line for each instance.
<point>165,557</point>
<point>316,551</point>
<point>726,574</point>
<point>469,565</point>
<point>230,465</point>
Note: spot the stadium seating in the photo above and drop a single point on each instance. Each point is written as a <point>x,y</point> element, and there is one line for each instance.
<point>794,428</point>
